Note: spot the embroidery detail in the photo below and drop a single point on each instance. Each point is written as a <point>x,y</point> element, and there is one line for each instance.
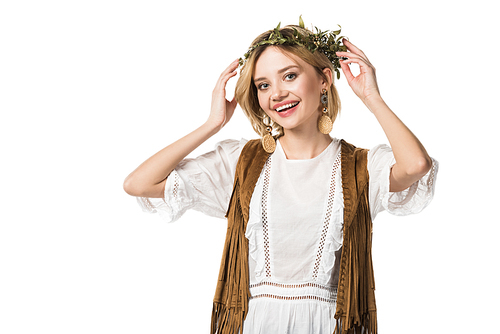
<point>321,299</point>
<point>148,204</point>
<point>265,191</point>
<point>294,286</point>
<point>175,190</point>
<point>431,175</point>
<point>326,223</point>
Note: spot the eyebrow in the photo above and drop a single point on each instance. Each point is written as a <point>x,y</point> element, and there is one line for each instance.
<point>284,69</point>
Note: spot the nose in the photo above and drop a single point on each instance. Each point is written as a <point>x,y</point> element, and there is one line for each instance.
<point>278,93</point>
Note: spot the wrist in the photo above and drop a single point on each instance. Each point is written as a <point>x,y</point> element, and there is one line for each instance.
<point>211,127</point>
<point>375,103</point>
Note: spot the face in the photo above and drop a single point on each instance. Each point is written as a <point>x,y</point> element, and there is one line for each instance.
<point>288,89</point>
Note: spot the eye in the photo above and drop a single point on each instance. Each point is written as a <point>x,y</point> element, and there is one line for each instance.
<point>262,86</point>
<point>290,76</point>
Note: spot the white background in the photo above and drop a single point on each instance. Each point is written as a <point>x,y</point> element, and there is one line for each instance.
<point>90,89</point>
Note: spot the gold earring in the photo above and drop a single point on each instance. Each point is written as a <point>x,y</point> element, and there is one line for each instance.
<point>325,123</point>
<point>268,142</point>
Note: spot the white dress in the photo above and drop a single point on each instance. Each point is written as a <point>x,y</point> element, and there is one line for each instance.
<point>294,228</point>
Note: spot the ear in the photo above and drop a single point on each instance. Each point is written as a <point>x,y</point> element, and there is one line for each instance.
<point>329,75</point>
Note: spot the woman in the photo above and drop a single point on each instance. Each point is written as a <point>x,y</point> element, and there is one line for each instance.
<point>299,204</point>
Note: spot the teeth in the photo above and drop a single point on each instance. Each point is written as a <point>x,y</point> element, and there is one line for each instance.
<point>286,106</point>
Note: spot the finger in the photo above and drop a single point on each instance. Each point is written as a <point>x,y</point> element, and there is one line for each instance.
<point>228,73</point>
<point>347,71</point>
<point>364,64</point>
<point>353,48</point>
<point>353,60</point>
<point>229,76</point>
<point>231,68</point>
<point>350,55</point>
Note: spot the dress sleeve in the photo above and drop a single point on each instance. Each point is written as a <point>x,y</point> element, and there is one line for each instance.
<point>409,201</point>
<point>204,184</point>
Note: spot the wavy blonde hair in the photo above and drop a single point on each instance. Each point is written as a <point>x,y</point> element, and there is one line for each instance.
<point>246,91</point>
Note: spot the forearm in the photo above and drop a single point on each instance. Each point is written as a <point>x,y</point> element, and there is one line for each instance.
<point>412,160</point>
<point>149,178</point>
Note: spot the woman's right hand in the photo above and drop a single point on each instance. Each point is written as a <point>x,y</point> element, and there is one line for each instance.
<point>222,109</point>
<point>148,180</point>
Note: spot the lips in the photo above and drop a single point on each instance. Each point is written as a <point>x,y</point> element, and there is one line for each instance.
<point>287,108</point>
<point>285,105</point>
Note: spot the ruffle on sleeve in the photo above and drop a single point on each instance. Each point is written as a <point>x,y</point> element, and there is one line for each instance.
<point>203,184</point>
<point>176,201</point>
<point>409,201</point>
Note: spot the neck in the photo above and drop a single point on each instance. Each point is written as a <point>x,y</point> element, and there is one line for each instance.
<point>299,145</point>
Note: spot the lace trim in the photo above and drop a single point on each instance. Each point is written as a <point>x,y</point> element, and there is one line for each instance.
<point>147,203</point>
<point>294,286</point>
<point>326,223</point>
<point>432,175</point>
<point>321,299</point>
<point>175,190</point>
<point>265,192</point>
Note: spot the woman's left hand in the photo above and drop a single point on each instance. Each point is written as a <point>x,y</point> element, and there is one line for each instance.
<point>364,84</point>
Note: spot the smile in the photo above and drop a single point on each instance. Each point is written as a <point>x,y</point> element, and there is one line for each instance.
<point>286,106</point>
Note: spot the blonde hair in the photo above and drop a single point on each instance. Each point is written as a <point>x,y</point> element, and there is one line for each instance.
<point>246,91</point>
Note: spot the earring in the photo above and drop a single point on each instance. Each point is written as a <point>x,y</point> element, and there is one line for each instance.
<point>268,142</point>
<point>325,123</point>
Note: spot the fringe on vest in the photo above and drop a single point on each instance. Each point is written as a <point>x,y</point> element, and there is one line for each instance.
<point>231,304</point>
<point>233,288</point>
<point>356,311</point>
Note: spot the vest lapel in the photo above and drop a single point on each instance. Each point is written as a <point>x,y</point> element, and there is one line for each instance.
<point>250,165</point>
<point>354,178</point>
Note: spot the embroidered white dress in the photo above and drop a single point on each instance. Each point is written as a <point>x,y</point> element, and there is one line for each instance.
<point>294,228</point>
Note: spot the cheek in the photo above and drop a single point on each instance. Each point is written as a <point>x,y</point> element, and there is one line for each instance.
<point>262,98</point>
<point>314,95</point>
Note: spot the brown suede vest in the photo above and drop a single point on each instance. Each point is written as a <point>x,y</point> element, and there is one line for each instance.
<point>356,311</point>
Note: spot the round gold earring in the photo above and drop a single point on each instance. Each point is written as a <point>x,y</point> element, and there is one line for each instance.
<point>268,142</point>
<point>325,123</point>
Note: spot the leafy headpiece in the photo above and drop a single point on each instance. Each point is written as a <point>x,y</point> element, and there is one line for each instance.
<point>322,41</point>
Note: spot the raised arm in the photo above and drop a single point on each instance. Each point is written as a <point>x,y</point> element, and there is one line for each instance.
<point>412,160</point>
<point>148,180</point>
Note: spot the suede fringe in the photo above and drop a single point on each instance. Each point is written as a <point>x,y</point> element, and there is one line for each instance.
<point>356,310</point>
<point>233,288</point>
<point>369,325</point>
<point>226,321</point>
<point>231,306</point>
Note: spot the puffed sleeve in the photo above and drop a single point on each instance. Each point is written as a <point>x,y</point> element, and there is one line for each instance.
<point>409,201</point>
<point>203,183</point>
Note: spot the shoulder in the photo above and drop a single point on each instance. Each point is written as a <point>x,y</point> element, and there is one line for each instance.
<point>252,147</point>
<point>351,151</point>
<point>231,144</point>
<point>252,159</point>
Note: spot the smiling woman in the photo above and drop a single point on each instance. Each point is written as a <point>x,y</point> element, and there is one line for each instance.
<point>289,90</point>
<point>293,58</point>
<point>299,205</point>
